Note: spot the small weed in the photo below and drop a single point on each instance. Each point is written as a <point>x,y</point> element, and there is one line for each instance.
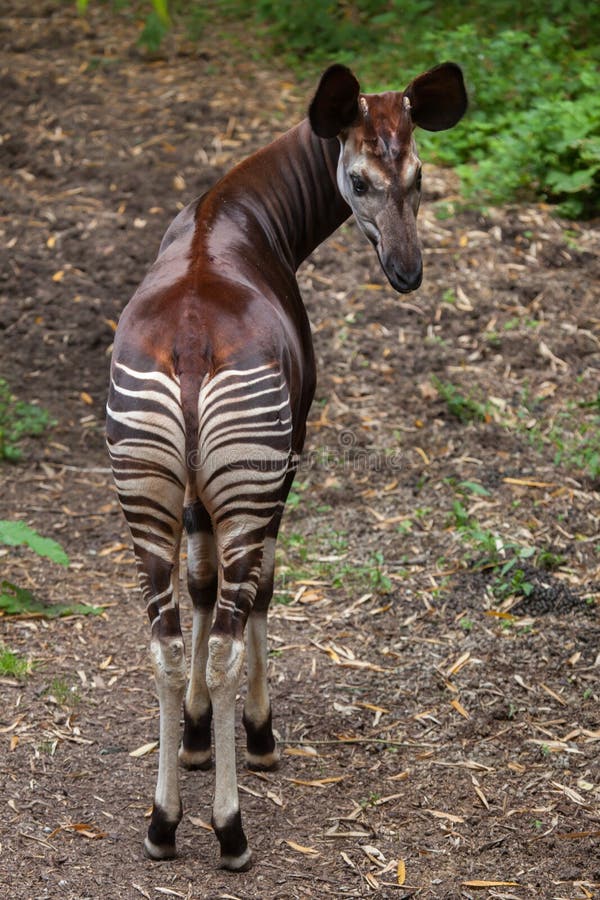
<point>12,665</point>
<point>493,339</point>
<point>473,487</point>
<point>511,581</point>
<point>505,558</point>
<point>422,512</point>
<point>379,581</point>
<point>464,408</point>
<point>460,514</point>
<point>63,693</point>
<point>449,297</point>
<point>17,421</point>
<point>547,559</point>
<point>47,748</point>
<point>404,527</point>
<point>337,541</point>
<point>466,624</point>
<point>295,544</point>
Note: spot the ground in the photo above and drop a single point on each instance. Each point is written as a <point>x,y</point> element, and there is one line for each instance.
<point>434,640</point>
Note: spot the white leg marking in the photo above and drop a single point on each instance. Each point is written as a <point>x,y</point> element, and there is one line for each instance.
<point>257,705</point>
<point>169,670</point>
<point>223,674</point>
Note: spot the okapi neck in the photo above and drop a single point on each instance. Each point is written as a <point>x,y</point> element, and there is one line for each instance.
<point>285,194</point>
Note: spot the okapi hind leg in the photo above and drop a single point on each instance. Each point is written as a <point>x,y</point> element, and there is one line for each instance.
<point>195,750</point>
<point>160,586</point>
<point>240,560</point>
<point>261,748</point>
<point>262,754</point>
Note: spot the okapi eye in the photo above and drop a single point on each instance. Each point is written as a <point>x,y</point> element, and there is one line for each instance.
<point>359,185</point>
<point>419,179</point>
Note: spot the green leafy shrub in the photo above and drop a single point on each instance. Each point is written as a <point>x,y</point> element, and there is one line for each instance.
<point>533,130</point>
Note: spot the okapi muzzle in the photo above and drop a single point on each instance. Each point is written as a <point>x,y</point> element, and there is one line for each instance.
<point>212,378</point>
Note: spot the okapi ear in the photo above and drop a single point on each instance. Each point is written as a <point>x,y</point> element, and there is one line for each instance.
<point>335,104</point>
<point>438,98</point>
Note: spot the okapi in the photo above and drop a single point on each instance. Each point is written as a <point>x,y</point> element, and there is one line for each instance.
<point>212,378</point>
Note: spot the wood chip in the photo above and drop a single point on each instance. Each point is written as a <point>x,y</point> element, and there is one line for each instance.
<point>553,694</point>
<point>318,782</point>
<point>458,665</point>
<point>299,848</point>
<point>459,708</point>
<point>144,750</point>
<point>438,814</point>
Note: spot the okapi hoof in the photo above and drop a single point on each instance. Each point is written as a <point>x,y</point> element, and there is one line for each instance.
<point>237,863</point>
<point>262,754</point>
<point>160,840</point>
<point>159,851</point>
<point>195,749</point>
<point>263,762</point>
<point>236,855</point>
<point>195,759</point>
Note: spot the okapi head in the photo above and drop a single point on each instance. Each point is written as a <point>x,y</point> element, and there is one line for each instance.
<point>379,171</point>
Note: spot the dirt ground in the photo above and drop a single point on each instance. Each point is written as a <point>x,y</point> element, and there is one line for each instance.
<point>439,729</point>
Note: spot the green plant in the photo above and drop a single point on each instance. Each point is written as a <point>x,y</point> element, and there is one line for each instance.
<point>17,421</point>
<point>379,580</point>
<point>533,127</point>
<point>464,408</point>
<point>18,601</point>
<point>370,801</point>
<point>62,692</point>
<point>574,434</point>
<point>508,561</point>
<point>12,665</point>
<point>156,25</point>
<point>14,534</point>
<point>510,580</point>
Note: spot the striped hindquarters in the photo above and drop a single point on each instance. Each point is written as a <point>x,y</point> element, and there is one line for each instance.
<point>146,442</point>
<point>244,455</point>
